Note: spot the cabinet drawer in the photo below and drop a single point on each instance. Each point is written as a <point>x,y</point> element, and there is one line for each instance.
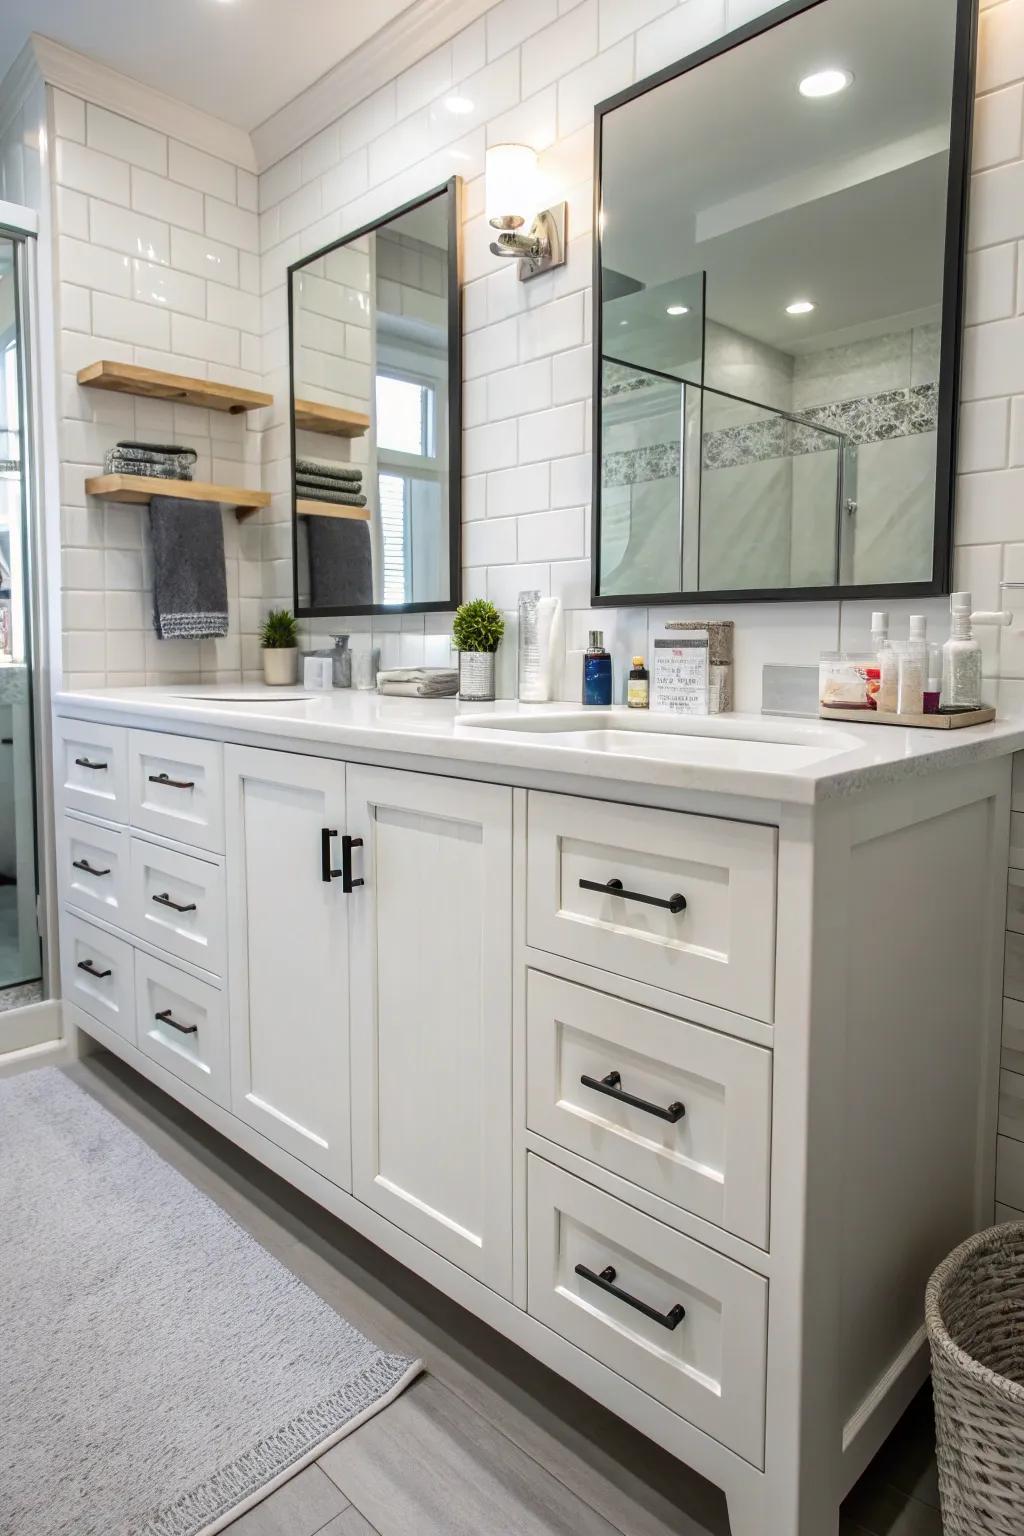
<point>182,1024</point>
<point>712,1158</point>
<point>710,1367</point>
<point>710,932</point>
<point>97,974</point>
<point>177,788</point>
<point>176,902</point>
<point>93,867</point>
<point>91,768</point>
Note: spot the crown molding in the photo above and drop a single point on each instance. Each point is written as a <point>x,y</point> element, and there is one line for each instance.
<point>105,87</point>
<point>412,34</point>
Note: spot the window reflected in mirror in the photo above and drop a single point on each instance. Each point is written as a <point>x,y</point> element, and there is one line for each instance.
<point>780,295</point>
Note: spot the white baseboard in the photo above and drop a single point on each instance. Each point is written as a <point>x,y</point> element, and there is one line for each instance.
<point>33,1025</point>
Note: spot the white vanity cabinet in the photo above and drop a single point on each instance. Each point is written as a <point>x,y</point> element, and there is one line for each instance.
<point>431,937</point>
<point>288,943</point>
<point>683,1088</point>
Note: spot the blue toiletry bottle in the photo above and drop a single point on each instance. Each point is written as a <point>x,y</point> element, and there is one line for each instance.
<point>597,672</point>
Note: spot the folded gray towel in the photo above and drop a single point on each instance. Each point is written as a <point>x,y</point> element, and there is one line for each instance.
<point>340,562</point>
<point>338,498</point>
<point>190,589</point>
<point>114,465</point>
<point>328,483</point>
<point>328,467</point>
<point>134,450</point>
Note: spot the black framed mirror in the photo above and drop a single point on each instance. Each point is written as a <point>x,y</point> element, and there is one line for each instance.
<point>778,310</point>
<point>375,350</point>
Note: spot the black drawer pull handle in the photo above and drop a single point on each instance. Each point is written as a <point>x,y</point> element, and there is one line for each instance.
<point>612,1086</point>
<point>6,741</point>
<point>178,906</point>
<point>83,762</point>
<point>90,970</point>
<point>183,1029</point>
<point>344,874</point>
<point>606,1280</point>
<point>165,778</point>
<point>676,903</point>
<point>87,867</point>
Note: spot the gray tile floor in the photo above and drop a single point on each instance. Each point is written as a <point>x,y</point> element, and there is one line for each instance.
<point>488,1441</point>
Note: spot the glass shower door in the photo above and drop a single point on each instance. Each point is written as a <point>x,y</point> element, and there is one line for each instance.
<point>20,956</point>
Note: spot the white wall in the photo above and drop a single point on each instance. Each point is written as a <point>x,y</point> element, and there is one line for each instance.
<point>534,69</point>
<point>157,264</point>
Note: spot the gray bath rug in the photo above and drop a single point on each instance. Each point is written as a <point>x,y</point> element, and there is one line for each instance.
<point>160,1372</point>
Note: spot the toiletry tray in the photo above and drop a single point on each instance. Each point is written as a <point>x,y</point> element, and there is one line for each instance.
<point>919,722</point>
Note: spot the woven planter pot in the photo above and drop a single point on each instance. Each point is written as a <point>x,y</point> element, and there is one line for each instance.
<point>974,1309</point>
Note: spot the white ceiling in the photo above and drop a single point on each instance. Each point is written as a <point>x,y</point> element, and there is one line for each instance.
<point>240,60</point>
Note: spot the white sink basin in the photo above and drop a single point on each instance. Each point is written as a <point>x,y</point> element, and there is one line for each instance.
<point>725,740</point>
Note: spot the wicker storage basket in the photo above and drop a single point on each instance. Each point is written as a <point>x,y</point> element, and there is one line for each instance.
<point>974,1309</point>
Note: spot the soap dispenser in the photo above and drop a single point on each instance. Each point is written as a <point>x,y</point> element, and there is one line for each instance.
<point>961,660</point>
<point>597,672</point>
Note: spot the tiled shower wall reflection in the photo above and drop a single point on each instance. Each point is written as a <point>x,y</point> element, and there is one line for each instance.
<point>534,69</point>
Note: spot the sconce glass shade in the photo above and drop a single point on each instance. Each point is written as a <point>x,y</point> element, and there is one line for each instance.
<point>511,194</point>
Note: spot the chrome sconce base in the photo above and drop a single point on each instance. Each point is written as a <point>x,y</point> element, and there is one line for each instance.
<point>539,251</point>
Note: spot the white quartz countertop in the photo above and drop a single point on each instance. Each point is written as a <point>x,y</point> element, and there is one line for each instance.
<point>780,759</point>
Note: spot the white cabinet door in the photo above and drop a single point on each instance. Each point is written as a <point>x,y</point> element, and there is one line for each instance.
<point>288,954</point>
<point>431,1004</point>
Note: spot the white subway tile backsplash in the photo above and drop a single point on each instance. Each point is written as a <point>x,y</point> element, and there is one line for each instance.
<point>204,256</point>
<point>993,361</point>
<point>122,229</point>
<point>72,213</point>
<point>551,434</point>
<point>611,71</point>
<point>489,447</point>
<point>166,199</point>
<point>552,327</point>
<point>513,391</point>
<point>125,320</point>
<point>560,48</point>
<point>1000,46</point>
<point>991,284</point>
<point>68,117</point>
<point>94,267</point>
<point>512,21</point>
<point>683,30</point>
<point>984,435</point>
<point>552,535</point>
<point>495,347</point>
<point>525,489</point>
<point>119,136</point>
<point>231,225</point>
<point>490,541</point>
<point>87,170</point>
<point>997,206</point>
<point>571,480</point>
<point>206,173</point>
<point>998,127</point>
<point>154,284</point>
<point>572,375</point>
<point>230,306</point>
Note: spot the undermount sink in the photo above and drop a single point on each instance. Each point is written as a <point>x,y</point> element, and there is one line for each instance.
<point>728,740</point>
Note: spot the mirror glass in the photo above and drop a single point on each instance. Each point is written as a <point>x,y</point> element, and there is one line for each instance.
<point>376,381</point>
<point>778,310</point>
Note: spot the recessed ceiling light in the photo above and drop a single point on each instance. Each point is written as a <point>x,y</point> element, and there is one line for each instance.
<point>459,105</point>
<point>623,322</point>
<point>799,307</point>
<point>825,82</point>
<point>677,309</point>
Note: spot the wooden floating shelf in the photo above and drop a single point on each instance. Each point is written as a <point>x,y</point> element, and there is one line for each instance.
<point>137,489</point>
<point>129,379</point>
<point>915,722</point>
<point>334,420</point>
<point>332,509</point>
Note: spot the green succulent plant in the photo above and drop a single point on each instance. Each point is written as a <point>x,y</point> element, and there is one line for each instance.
<point>278,632</point>
<point>478,626</point>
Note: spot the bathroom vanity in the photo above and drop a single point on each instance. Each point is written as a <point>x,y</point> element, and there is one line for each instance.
<point>668,1048</point>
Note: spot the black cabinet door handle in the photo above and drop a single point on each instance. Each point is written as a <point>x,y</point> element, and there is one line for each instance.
<point>83,762</point>
<point>183,1029</point>
<point>344,874</point>
<point>164,900</point>
<point>612,1086</point>
<point>606,1281</point>
<point>165,778</point>
<point>83,864</point>
<point>6,741</point>
<point>348,885</point>
<point>90,970</point>
<point>676,903</point>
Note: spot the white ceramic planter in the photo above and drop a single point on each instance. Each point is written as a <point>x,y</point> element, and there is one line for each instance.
<point>476,676</point>
<point>280,664</point>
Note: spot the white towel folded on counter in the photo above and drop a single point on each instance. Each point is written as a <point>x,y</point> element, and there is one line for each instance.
<point>419,682</point>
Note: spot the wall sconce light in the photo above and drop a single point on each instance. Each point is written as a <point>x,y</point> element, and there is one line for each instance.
<point>511,200</point>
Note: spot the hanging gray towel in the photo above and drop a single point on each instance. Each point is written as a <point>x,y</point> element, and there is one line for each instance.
<point>190,588</point>
<point>340,562</point>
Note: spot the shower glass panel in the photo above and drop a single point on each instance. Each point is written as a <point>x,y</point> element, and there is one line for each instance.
<point>20,959</point>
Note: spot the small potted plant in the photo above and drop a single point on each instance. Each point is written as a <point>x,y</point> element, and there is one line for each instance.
<point>280,649</point>
<point>476,635</point>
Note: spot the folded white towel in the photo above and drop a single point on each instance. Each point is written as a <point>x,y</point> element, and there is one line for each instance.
<point>418,682</point>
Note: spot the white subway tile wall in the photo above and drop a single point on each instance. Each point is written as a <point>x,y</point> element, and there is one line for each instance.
<point>157,265</point>
<point>162,251</point>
